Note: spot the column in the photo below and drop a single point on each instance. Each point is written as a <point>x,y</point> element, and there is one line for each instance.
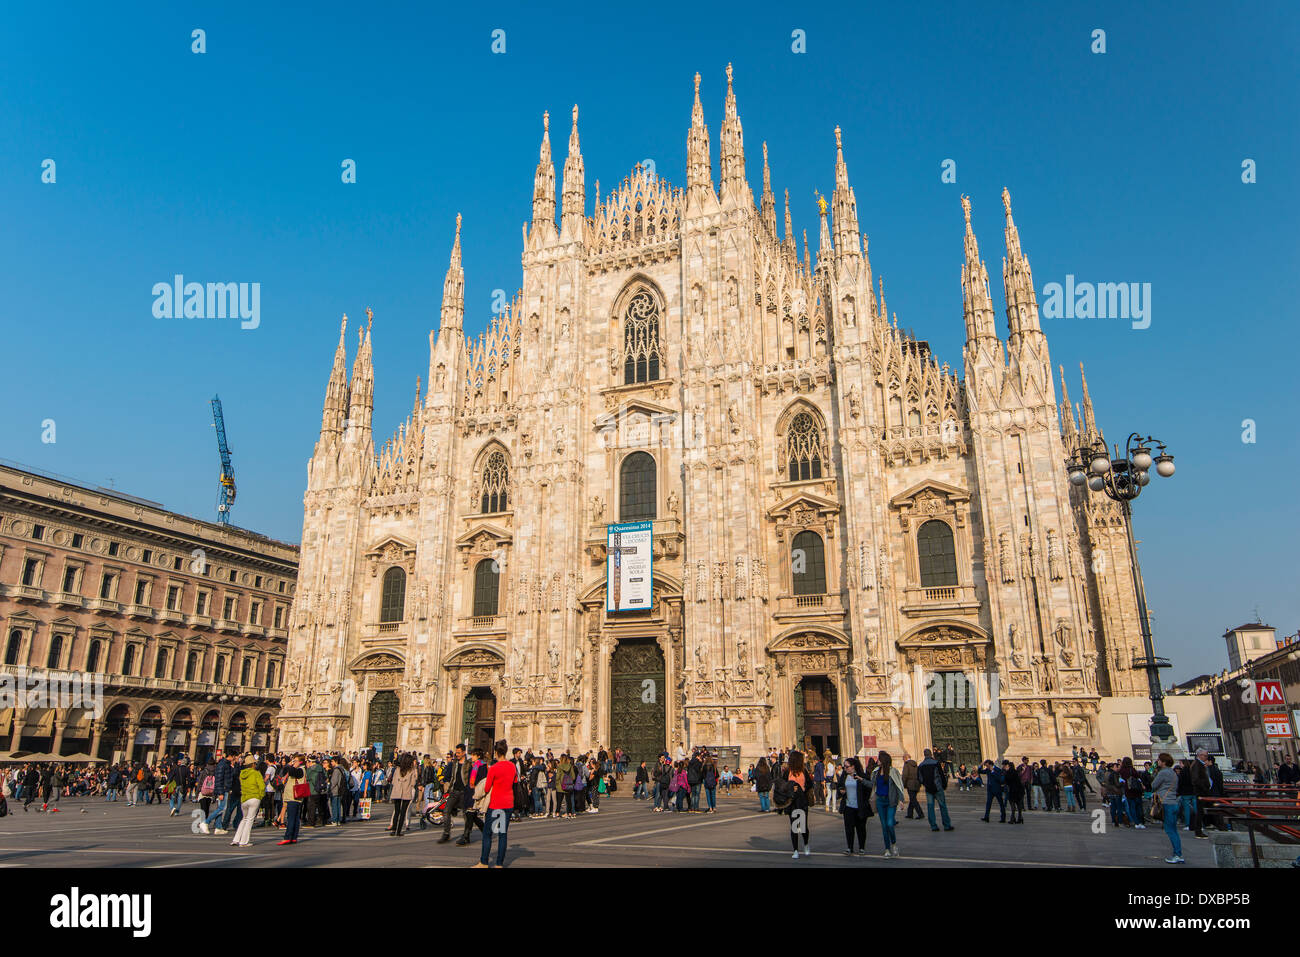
<point>194,744</point>
<point>59,726</point>
<point>20,722</point>
<point>96,729</point>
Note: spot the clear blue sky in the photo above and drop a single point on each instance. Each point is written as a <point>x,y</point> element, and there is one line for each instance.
<point>1124,166</point>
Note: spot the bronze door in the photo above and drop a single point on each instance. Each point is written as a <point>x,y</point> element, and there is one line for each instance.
<point>638,716</point>
<point>817,715</point>
<point>479,724</point>
<point>954,720</point>
<point>381,723</point>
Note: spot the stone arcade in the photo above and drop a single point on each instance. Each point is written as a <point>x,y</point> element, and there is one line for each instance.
<point>832,508</point>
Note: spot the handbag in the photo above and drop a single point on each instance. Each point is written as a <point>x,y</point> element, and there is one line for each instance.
<point>302,791</point>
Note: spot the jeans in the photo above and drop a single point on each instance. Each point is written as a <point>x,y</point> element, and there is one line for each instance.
<point>221,800</point>
<point>234,813</point>
<point>764,800</point>
<point>695,797</point>
<point>640,792</point>
<point>498,823</point>
<point>109,795</point>
<point>292,819</point>
<point>1036,799</point>
<point>1187,801</point>
<point>681,798</point>
<point>1171,828</point>
<point>1135,809</point>
<point>886,811</point>
<point>711,794</point>
<point>995,793</point>
<point>539,800</point>
<point>941,799</point>
<point>1069,796</point>
<point>1118,808</point>
<point>336,809</point>
<point>175,801</point>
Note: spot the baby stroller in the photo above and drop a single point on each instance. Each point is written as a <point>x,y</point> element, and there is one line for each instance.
<point>433,813</point>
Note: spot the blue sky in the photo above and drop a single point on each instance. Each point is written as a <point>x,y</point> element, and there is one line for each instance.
<point>1122,166</point>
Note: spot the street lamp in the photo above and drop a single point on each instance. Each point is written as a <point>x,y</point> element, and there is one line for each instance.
<point>1122,479</point>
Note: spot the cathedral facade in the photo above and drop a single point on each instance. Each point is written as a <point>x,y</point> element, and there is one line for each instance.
<point>854,547</point>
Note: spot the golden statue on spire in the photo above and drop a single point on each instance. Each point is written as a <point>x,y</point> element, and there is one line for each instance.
<point>821,202</point>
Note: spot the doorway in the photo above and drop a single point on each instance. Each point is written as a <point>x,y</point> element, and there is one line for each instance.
<point>638,721</point>
<point>479,727</point>
<point>954,717</point>
<point>381,723</point>
<point>816,708</point>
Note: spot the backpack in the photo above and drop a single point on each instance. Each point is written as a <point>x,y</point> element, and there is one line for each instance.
<point>782,792</point>
<point>209,785</point>
<point>139,775</point>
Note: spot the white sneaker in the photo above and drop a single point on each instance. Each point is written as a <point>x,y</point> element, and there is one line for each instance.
<point>203,826</point>
<point>1174,860</point>
<point>896,854</point>
<point>887,854</point>
<point>807,853</point>
<point>220,830</point>
<point>794,856</point>
<point>1140,827</point>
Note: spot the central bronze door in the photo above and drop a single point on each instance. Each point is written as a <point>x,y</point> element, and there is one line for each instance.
<point>381,723</point>
<point>638,716</point>
<point>479,727</point>
<point>817,724</point>
<point>954,718</point>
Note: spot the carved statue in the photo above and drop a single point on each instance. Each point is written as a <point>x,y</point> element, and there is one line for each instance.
<point>553,658</point>
<point>701,659</point>
<point>672,502</point>
<point>1004,559</point>
<point>597,510</point>
<point>1054,557</point>
<point>733,418</point>
<point>1062,633</point>
<point>742,656</point>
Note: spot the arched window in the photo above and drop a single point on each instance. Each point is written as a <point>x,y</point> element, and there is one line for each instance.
<point>160,666</point>
<point>92,659</point>
<point>487,585</point>
<point>191,665</point>
<point>914,419</point>
<point>642,350</point>
<point>808,564</point>
<point>246,672</point>
<point>496,476</point>
<point>937,554</point>
<point>56,651</point>
<point>14,648</point>
<point>636,488</point>
<point>804,448</point>
<point>392,605</point>
<point>128,660</point>
<point>219,670</point>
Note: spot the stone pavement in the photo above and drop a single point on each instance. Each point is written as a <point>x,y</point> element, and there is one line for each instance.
<point>624,834</point>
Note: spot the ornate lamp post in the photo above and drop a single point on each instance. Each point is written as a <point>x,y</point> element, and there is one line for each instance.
<point>1122,479</point>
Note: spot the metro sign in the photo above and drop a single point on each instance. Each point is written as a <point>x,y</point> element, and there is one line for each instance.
<point>1277,724</point>
<point>1269,694</point>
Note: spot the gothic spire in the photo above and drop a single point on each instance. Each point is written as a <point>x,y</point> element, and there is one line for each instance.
<point>768,201</point>
<point>1018,283</point>
<point>1070,431</point>
<point>732,151</point>
<point>789,227</point>
<point>544,181</point>
<point>844,207</point>
<point>699,174</point>
<point>362,390</point>
<point>336,393</point>
<point>1089,420</point>
<point>825,248</point>
<point>453,290</point>
<point>976,302</point>
<point>574,191</point>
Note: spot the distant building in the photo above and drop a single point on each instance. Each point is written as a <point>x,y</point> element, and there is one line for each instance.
<point>1248,642</point>
<point>182,623</point>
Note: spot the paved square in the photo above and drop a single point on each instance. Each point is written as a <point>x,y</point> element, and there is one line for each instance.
<point>624,834</point>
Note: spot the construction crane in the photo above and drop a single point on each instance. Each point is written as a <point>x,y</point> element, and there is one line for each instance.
<point>226,490</point>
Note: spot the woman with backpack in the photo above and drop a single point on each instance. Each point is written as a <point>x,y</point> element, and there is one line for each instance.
<point>886,786</point>
<point>1134,787</point>
<point>853,790</point>
<point>1015,787</point>
<point>763,785</point>
<point>792,794</point>
<point>681,787</point>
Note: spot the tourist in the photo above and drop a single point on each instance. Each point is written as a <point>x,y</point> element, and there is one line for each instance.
<point>499,789</point>
<point>338,788</point>
<point>912,785</point>
<point>403,780</point>
<point>709,780</point>
<point>1134,788</point>
<point>456,778</point>
<point>854,792</point>
<point>1013,781</point>
<point>996,788</point>
<point>640,789</point>
<point>1207,782</point>
<point>935,782</point>
<point>1066,778</point>
<point>886,784</point>
<point>474,802</point>
<point>799,788</point>
<point>252,786</point>
<point>1164,787</point>
<point>763,785</point>
<point>296,790</point>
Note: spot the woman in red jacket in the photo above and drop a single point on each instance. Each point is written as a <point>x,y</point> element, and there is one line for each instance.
<point>500,793</point>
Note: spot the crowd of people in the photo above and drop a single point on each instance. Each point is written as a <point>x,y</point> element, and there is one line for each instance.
<point>234,793</point>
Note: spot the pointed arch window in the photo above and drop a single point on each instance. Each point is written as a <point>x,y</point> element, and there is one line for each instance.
<point>808,564</point>
<point>392,605</point>
<point>496,479</point>
<point>642,350</point>
<point>804,448</point>
<point>636,488</point>
<point>487,588</point>
<point>937,554</point>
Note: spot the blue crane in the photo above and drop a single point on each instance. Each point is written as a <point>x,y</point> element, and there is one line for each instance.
<point>226,490</point>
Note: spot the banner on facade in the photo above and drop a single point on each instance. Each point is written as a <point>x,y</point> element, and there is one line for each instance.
<point>1209,740</point>
<point>629,568</point>
<point>146,736</point>
<point>207,738</point>
<point>259,739</point>
<point>1277,724</point>
<point>175,736</point>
